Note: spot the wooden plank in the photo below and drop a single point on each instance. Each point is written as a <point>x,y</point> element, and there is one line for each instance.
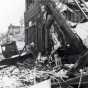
<point>44,84</point>
<point>75,81</point>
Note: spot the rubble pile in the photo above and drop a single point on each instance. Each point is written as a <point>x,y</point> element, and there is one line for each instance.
<point>13,77</point>
<point>63,45</point>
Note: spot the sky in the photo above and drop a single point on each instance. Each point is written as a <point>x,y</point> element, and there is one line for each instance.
<point>11,11</point>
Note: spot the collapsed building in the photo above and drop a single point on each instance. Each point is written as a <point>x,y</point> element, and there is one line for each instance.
<point>51,42</point>
<point>46,25</point>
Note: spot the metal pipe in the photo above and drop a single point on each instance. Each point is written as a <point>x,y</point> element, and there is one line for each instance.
<point>81,9</point>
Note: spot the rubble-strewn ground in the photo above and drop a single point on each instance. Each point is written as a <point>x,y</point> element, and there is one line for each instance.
<point>12,77</point>
<point>23,77</point>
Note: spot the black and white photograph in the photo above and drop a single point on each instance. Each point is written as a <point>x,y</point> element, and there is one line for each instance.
<point>44,44</point>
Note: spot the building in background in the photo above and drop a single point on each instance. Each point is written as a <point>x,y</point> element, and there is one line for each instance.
<point>17,32</point>
<point>13,29</point>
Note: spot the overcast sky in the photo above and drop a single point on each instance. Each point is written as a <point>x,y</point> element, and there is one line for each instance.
<point>11,11</point>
